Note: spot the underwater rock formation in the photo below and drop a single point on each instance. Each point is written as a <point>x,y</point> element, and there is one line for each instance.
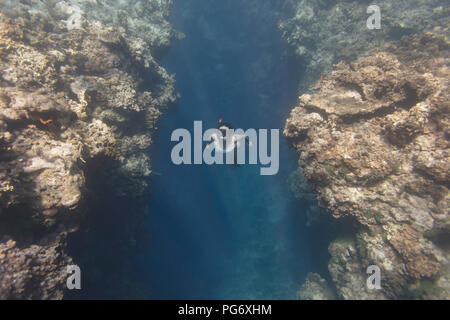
<point>324,32</point>
<point>80,96</point>
<point>315,288</point>
<point>373,139</point>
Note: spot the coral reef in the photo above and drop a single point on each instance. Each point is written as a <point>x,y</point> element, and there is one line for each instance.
<point>80,96</point>
<point>373,139</point>
<point>34,272</point>
<point>315,288</point>
<point>322,33</point>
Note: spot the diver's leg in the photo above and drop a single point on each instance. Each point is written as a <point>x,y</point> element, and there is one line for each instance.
<point>236,164</point>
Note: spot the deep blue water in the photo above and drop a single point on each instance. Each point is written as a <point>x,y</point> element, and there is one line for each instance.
<point>215,232</point>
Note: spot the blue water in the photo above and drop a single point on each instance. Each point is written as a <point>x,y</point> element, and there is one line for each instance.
<point>215,232</point>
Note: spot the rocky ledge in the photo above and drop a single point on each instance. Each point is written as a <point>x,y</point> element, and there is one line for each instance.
<point>373,139</point>
<point>80,96</point>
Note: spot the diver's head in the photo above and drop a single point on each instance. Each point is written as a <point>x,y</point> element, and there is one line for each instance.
<point>223,127</point>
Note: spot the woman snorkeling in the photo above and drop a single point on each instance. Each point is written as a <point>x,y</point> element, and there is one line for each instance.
<point>223,145</point>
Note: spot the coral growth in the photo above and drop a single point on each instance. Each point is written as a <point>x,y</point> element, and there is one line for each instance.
<point>315,288</point>
<point>373,143</point>
<point>71,94</point>
<point>322,33</point>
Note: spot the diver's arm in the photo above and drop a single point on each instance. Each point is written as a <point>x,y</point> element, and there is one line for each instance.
<point>212,139</point>
<point>241,137</point>
<point>247,139</point>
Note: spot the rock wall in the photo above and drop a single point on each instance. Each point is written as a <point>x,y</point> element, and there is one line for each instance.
<point>373,139</point>
<point>80,96</point>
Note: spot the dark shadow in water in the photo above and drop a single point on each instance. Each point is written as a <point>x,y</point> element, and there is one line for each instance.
<point>216,232</point>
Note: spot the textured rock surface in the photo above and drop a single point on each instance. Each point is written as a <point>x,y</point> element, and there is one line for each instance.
<point>78,101</point>
<point>373,142</point>
<point>35,272</point>
<point>324,32</point>
<point>315,288</point>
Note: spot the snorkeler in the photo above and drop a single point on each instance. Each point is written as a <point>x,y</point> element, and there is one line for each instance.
<point>220,142</point>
